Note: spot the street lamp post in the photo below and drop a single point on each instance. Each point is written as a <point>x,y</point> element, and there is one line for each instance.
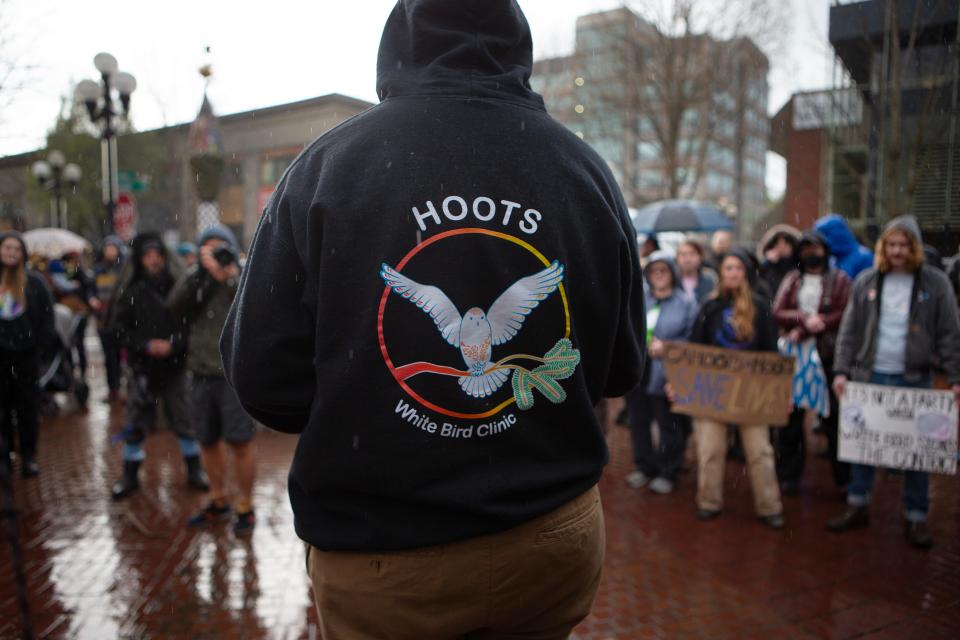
<point>99,100</point>
<point>53,173</point>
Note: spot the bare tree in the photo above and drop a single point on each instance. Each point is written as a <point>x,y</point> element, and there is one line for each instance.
<point>15,74</point>
<point>668,78</point>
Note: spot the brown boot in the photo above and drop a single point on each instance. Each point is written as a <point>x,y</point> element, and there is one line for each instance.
<point>854,518</point>
<point>918,534</point>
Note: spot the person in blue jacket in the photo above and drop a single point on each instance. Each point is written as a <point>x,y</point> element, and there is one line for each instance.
<point>670,317</point>
<point>850,256</point>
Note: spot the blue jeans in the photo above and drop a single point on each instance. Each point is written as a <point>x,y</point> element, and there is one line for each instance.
<point>916,501</point>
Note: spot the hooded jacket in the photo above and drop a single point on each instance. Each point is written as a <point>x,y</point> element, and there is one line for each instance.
<point>773,273</point>
<point>850,256</point>
<point>28,326</point>
<point>203,304</point>
<point>933,336</point>
<point>833,301</point>
<point>140,314</point>
<point>675,319</point>
<point>438,293</point>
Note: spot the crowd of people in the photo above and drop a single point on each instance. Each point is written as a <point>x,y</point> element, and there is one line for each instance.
<point>843,312</point>
<point>158,314</point>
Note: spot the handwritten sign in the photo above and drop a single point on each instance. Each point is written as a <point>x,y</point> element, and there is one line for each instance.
<point>736,387</point>
<point>899,428</point>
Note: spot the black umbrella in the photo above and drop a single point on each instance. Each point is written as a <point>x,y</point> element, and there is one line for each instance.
<point>680,215</point>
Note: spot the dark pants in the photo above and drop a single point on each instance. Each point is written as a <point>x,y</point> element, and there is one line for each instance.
<point>791,444</point>
<point>19,395</point>
<point>666,458</point>
<point>111,357</point>
<point>81,348</point>
<point>916,484</point>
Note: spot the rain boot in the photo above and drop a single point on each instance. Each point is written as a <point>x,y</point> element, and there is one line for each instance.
<point>128,482</point>
<point>196,477</point>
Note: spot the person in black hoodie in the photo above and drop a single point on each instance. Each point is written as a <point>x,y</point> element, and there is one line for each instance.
<point>438,293</point>
<point>736,318</point>
<point>156,344</point>
<point>26,328</point>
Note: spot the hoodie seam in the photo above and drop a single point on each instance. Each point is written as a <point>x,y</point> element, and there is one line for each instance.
<point>454,96</point>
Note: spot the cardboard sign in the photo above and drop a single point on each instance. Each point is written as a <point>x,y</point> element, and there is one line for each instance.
<point>899,428</point>
<point>735,387</point>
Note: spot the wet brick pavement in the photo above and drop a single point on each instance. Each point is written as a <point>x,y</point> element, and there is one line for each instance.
<point>99,569</point>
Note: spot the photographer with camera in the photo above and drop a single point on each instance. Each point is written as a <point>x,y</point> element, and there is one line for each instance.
<point>202,296</point>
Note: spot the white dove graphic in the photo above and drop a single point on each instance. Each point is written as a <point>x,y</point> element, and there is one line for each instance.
<point>476,332</point>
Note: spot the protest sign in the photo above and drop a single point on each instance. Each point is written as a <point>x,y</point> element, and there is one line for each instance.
<point>899,428</point>
<point>736,387</point>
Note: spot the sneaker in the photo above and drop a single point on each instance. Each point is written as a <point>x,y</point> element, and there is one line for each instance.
<point>211,514</point>
<point>637,480</point>
<point>918,535</point>
<point>661,486</point>
<point>245,523</point>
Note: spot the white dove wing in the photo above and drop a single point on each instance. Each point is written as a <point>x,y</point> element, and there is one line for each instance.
<point>508,312</point>
<point>430,299</point>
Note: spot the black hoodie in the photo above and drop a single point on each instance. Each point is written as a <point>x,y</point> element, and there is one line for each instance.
<point>139,313</point>
<point>29,326</point>
<point>439,292</point>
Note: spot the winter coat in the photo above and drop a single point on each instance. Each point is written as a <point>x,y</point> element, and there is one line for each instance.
<point>203,303</point>
<point>674,322</point>
<point>712,326</point>
<point>833,302</point>
<point>849,255</point>
<point>933,336</point>
<point>140,314</point>
<point>29,326</point>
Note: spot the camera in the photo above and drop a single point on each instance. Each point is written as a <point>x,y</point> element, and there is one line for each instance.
<point>225,255</point>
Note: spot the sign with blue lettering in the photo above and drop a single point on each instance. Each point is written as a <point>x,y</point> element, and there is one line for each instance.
<point>735,387</point>
<point>899,428</point>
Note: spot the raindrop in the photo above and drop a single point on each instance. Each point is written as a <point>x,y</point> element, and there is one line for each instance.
<point>523,125</point>
<point>419,237</point>
<point>356,443</point>
<point>389,164</point>
<point>350,354</point>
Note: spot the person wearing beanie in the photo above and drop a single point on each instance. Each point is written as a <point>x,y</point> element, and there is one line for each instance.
<point>202,296</point>
<point>670,316</point>
<point>26,331</point>
<point>808,309</point>
<point>156,345</point>
<point>901,322</point>
<point>736,317</point>
<point>187,251</point>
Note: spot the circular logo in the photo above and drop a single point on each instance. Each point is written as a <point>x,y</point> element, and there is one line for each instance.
<point>476,332</point>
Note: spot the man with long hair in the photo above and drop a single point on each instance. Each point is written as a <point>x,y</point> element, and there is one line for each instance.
<point>901,321</point>
<point>26,327</point>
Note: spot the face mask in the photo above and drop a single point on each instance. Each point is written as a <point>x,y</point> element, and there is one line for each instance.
<point>813,261</point>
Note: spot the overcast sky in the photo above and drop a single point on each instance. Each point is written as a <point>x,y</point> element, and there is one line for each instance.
<point>268,53</point>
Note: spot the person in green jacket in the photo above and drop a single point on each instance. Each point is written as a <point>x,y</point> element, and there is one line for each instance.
<point>203,295</point>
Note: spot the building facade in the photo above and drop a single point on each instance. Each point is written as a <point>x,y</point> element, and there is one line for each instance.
<point>674,116</point>
<point>258,147</point>
<point>903,58</point>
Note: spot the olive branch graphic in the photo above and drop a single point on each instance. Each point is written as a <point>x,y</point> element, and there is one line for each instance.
<point>557,364</point>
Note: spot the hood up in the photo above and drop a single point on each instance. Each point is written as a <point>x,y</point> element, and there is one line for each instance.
<point>792,234</point>
<point>667,259</point>
<point>466,48</point>
<point>908,224</point>
<point>838,234</point>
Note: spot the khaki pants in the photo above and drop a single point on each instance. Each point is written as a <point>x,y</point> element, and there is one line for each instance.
<point>536,581</point>
<point>711,458</point>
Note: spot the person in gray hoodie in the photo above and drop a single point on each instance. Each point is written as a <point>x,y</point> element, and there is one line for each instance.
<point>900,324</point>
<point>670,317</point>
